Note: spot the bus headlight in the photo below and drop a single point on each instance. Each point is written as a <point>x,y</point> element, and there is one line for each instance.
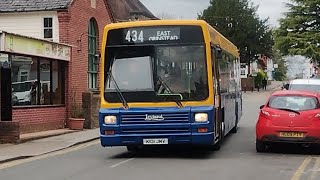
<point>110,119</point>
<point>201,117</point>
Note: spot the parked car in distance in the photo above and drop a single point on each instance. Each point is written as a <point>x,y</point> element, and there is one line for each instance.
<point>303,85</point>
<point>289,117</point>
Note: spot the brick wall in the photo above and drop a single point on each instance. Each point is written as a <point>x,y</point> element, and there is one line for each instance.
<point>40,119</point>
<point>91,106</point>
<point>73,27</point>
<point>9,132</point>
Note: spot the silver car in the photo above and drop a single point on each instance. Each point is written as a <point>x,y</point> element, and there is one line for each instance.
<point>304,85</point>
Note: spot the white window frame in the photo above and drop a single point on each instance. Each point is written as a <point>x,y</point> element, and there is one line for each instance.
<point>44,28</point>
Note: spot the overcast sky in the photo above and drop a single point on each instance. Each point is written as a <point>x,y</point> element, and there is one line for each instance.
<point>188,9</point>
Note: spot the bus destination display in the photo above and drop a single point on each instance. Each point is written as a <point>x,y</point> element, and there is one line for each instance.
<point>140,35</point>
<point>155,35</point>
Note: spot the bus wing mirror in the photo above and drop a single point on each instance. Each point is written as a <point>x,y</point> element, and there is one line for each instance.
<point>286,86</point>
<point>218,51</point>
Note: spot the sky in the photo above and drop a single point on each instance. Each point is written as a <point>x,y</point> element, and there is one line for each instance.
<point>189,9</point>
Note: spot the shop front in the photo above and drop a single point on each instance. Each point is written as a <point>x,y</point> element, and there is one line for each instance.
<point>33,84</point>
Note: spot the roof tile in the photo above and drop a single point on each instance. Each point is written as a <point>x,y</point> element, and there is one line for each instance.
<point>32,5</point>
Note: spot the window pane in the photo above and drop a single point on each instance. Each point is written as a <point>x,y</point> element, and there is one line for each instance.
<point>92,49</point>
<point>95,64</point>
<point>50,22</point>
<point>47,33</point>
<point>57,83</point>
<point>90,81</point>
<point>45,82</point>
<point>24,81</point>
<point>94,81</point>
<point>47,22</point>
<point>297,103</point>
<point>130,80</point>
<point>89,63</point>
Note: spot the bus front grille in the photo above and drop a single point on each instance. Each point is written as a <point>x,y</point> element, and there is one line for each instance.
<point>156,131</point>
<point>165,118</point>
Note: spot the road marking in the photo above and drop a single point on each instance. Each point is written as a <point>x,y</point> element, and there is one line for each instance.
<point>315,169</point>
<point>59,152</point>
<point>122,162</point>
<point>301,169</point>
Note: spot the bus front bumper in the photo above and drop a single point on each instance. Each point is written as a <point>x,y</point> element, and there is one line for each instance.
<point>163,139</point>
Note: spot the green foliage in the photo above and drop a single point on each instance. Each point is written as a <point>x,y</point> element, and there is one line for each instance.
<point>238,21</point>
<point>281,71</point>
<point>299,31</point>
<point>279,76</point>
<point>258,79</point>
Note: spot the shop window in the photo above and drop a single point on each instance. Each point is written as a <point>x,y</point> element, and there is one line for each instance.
<point>92,55</point>
<point>45,77</point>
<point>47,28</point>
<point>37,81</point>
<point>57,82</point>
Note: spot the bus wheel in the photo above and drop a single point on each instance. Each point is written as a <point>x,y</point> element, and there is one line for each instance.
<point>133,148</point>
<point>235,128</point>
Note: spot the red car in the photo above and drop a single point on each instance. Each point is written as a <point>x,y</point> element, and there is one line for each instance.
<point>289,117</point>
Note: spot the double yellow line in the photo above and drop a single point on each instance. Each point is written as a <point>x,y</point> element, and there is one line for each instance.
<point>308,173</point>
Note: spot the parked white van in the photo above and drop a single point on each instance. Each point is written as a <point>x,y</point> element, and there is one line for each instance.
<point>305,85</point>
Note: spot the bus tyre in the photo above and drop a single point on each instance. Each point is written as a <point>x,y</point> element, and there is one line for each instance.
<point>133,148</point>
<point>260,146</point>
<point>235,128</point>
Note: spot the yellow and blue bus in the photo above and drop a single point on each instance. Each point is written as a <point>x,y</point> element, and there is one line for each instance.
<point>168,82</point>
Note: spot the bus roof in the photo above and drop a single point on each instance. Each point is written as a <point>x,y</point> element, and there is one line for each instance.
<point>215,37</point>
<point>223,42</point>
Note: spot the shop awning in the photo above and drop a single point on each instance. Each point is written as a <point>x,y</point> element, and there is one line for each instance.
<point>24,45</point>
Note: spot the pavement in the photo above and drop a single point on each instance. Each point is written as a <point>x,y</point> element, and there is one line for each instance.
<point>275,85</point>
<point>35,144</point>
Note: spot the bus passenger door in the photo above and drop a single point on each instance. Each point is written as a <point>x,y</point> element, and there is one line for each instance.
<point>217,93</point>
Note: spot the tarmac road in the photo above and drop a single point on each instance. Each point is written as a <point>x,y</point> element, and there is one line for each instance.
<point>237,159</point>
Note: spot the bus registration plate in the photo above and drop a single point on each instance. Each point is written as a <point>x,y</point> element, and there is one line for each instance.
<point>155,141</point>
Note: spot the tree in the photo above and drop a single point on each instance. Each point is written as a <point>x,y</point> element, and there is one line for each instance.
<point>298,66</point>
<point>238,21</point>
<point>299,31</point>
<point>258,79</point>
<point>281,71</point>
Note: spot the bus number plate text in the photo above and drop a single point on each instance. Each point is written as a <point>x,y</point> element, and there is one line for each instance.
<point>155,141</point>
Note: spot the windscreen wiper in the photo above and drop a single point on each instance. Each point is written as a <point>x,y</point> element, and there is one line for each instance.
<point>170,91</point>
<point>178,103</point>
<point>164,85</point>
<point>122,99</point>
<point>290,110</point>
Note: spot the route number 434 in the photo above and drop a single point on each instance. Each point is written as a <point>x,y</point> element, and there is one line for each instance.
<point>134,36</point>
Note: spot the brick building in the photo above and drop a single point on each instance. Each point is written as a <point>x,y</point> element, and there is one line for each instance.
<point>129,10</point>
<point>78,23</point>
